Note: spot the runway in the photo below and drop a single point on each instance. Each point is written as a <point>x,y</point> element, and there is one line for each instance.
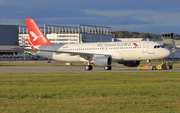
<point>70,69</point>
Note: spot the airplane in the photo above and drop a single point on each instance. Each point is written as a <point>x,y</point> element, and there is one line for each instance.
<point>99,54</point>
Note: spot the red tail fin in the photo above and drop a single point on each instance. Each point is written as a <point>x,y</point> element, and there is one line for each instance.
<point>35,34</point>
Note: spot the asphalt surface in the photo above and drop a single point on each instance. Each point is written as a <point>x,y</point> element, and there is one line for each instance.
<point>70,69</point>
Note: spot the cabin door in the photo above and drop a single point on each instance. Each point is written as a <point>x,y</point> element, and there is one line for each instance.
<point>145,47</point>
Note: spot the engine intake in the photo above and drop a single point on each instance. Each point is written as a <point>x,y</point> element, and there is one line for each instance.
<point>130,63</point>
<point>103,61</point>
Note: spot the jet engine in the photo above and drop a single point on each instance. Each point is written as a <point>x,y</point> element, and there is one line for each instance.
<point>103,61</point>
<point>130,63</point>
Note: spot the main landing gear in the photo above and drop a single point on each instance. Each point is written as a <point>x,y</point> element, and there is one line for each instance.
<point>90,67</point>
<point>108,68</point>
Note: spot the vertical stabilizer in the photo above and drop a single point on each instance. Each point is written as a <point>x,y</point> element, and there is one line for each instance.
<point>35,34</point>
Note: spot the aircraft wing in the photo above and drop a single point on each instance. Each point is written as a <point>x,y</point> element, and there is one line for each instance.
<point>24,49</point>
<point>59,52</point>
<point>72,53</point>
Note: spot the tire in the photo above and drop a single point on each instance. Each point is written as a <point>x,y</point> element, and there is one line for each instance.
<point>154,68</point>
<point>164,67</point>
<point>107,68</point>
<point>170,67</point>
<point>88,67</point>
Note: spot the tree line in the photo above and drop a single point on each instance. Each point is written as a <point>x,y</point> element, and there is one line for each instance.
<point>127,34</point>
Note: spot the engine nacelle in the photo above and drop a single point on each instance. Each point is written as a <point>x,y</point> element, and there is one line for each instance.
<point>103,61</point>
<point>130,63</point>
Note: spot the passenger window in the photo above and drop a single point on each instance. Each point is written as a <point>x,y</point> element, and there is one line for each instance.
<point>154,46</point>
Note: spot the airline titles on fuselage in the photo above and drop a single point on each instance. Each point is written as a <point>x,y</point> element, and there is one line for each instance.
<point>110,45</point>
<point>115,44</point>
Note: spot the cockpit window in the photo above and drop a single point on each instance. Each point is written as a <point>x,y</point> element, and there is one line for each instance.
<point>162,46</point>
<point>158,46</point>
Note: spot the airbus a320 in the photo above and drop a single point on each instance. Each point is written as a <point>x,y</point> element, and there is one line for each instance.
<point>100,54</point>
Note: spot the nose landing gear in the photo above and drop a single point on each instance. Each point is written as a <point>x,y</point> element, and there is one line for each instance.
<point>88,67</point>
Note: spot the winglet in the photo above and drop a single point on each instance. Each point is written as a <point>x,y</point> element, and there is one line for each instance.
<point>35,34</point>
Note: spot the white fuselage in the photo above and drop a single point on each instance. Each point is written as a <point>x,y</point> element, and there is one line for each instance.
<point>119,51</point>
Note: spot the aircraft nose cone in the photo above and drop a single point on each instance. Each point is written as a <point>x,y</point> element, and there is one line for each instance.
<point>167,53</point>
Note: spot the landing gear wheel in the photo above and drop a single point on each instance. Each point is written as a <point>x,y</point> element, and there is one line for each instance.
<point>154,68</point>
<point>108,68</point>
<point>88,67</point>
<point>164,67</point>
<point>170,67</point>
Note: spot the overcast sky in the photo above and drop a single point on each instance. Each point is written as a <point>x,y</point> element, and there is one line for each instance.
<point>153,16</point>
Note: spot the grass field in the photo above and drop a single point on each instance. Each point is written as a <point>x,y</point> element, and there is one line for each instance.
<point>90,92</point>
